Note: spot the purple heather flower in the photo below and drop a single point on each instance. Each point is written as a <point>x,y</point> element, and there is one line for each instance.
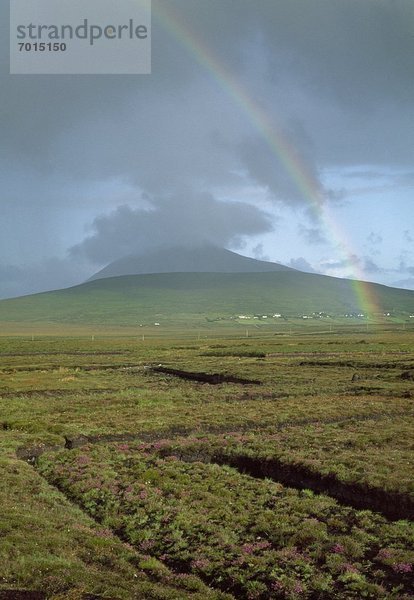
<point>349,568</point>
<point>146,545</point>
<point>123,447</point>
<point>402,567</point>
<point>248,548</point>
<point>277,586</point>
<point>262,545</point>
<point>160,444</point>
<point>384,553</point>
<point>297,588</point>
<point>200,563</point>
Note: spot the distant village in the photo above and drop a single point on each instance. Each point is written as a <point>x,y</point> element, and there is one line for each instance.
<point>314,315</point>
<point>287,317</point>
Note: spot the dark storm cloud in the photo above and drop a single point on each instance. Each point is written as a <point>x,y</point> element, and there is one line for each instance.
<point>358,52</point>
<point>353,56</point>
<point>187,219</point>
<point>267,166</point>
<point>335,75</point>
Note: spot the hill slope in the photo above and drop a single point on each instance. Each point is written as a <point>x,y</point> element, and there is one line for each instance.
<point>195,297</point>
<point>202,259</point>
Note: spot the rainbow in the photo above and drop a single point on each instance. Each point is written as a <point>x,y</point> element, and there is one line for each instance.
<point>276,140</point>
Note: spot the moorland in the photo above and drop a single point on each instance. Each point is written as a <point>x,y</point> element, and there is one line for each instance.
<point>270,463</point>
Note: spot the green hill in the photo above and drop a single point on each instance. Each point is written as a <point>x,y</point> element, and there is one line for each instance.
<point>177,298</point>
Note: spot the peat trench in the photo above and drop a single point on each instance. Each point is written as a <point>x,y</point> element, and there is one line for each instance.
<point>37,595</point>
<point>93,367</point>
<point>212,378</point>
<point>31,453</point>
<point>57,393</point>
<point>289,474</point>
<point>179,567</point>
<point>64,353</point>
<point>355,364</point>
<point>22,595</point>
<point>393,505</point>
<point>327,354</point>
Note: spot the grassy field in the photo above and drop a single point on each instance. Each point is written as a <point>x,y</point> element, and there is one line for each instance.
<point>121,481</point>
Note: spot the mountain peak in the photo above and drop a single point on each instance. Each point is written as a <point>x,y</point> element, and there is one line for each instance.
<point>205,258</point>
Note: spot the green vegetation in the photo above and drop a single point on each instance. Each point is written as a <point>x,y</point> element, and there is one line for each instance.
<point>194,299</point>
<point>124,482</point>
<point>251,538</point>
<point>49,545</point>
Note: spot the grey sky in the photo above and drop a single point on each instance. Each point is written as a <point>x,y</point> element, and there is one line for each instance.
<point>94,167</point>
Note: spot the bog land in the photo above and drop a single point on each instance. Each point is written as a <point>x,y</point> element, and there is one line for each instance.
<point>215,462</point>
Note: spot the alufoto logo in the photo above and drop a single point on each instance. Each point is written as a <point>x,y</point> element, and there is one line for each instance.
<point>80,37</point>
<point>84,31</point>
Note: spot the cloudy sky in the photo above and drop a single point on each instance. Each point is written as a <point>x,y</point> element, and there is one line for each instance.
<point>282,129</point>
